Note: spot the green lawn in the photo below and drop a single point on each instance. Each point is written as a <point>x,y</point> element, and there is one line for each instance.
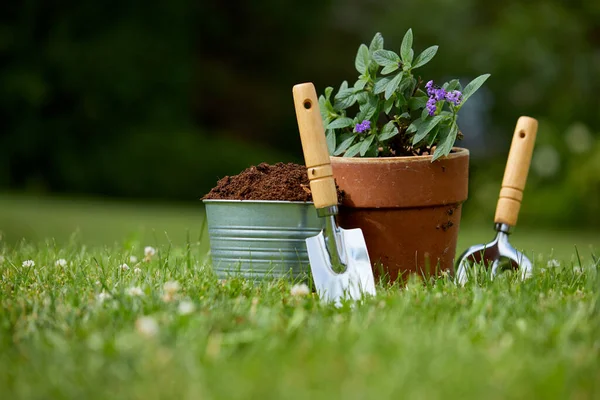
<point>86,328</point>
<point>98,222</point>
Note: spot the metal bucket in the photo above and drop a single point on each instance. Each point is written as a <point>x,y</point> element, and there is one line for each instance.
<point>259,239</point>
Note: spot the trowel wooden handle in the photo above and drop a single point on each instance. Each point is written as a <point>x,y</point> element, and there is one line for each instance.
<point>314,146</point>
<point>515,175</point>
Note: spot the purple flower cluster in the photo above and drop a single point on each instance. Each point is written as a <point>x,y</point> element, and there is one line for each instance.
<point>363,126</point>
<point>438,94</point>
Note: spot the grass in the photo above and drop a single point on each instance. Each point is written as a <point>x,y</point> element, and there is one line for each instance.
<point>490,339</point>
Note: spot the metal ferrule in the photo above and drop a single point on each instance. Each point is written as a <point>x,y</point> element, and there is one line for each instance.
<point>327,211</point>
<point>504,228</point>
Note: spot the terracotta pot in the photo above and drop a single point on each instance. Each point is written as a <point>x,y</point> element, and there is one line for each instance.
<point>408,208</point>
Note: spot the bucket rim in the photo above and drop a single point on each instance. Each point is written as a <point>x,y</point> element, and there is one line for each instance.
<point>279,202</point>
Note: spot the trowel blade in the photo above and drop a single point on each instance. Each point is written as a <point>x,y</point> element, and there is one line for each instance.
<point>353,283</point>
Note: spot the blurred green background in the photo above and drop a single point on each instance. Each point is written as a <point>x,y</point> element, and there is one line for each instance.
<point>154,102</point>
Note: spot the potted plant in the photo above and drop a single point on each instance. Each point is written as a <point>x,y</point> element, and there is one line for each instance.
<point>391,138</point>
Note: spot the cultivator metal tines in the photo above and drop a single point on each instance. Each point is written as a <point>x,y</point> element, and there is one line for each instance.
<point>507,210</point>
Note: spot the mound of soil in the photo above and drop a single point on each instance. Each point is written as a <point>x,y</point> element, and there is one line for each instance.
<point>283,182</point>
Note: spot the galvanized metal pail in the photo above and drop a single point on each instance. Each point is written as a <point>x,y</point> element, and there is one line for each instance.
<point>259,239</point>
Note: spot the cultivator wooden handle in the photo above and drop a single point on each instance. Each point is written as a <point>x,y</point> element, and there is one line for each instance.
<point>517,168</point>
<point>314,146</point>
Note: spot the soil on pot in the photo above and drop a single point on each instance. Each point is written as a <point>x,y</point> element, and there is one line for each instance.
<point>281,182</point>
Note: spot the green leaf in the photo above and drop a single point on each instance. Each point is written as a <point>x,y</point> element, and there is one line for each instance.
<point>433,135</point>
<point>381,83</point>
<point>343,86</point>
<point>373,150</point>
<point>365,144</point>
<point>328,91</point>
<point>360,83</point>
<point>386,57</point>
<point>376,43</point>
<point>367,110</point>
<point>362,59</point>
<point>408,83</point>
<point>416,124</point>
<point>406,47</point>
<point>454,84</point>
<point>392,86</point>
<point>387,106</point>
<point>404,115</point>
<point>344,99</point>
<point>473,86</point>
<point>389,131</point>
<point>425,128</point>
<point>444,147</point>
<point>346,140</point>
<point>340,123</point>
<point>400,100</point>
<point>362,97</point>
<point>425,114</point>
<point>353,150</point>
<point>330,136</point>
<point>389,68</point>
<point>414,103</point>
<point>323,107</point>
<point>425,56</point>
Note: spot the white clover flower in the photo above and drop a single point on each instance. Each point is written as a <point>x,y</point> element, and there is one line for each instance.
<point>146,326</point>
<point>137,270</point>
<point>28,263</point>
<point>133,259</point>
<point>149,251</point>
<point>97,283</point>
<point>124,267</point>
<point>103,296</point>
<point>186,307</point>
<point>171,287</point>
<point>61,262</point>
<point>553,263</point>
<point>577,270</point>
<point>300,290</point>
<point>135,291</point>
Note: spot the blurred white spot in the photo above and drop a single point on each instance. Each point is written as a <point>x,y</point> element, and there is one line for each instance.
<point>124,267</point>
<point>135,291</point>
<point>578,138</point>
<point>171,287</point>
<point>146,326</point>
<point>149,252</point>
<point>28,263</point>
<point>61,262</point>
<point>186,307</point>
<point>133,259</point>
<point>546,161</point>
<point>137,270</point>
<point>103,296</point>
<point>553,263</point>
<point>300,290</point>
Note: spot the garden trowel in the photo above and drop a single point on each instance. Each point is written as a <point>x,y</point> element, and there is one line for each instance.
<point>507,210</point>
<point>338,257</point>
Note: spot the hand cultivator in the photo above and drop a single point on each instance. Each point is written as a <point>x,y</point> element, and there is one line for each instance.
<point>507,210</point>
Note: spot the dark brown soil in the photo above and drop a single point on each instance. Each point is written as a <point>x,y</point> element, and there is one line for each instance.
<point>284,182</point>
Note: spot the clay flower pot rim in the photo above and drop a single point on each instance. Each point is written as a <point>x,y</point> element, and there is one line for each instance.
<point>456,152</point>
<point>256,201</point>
